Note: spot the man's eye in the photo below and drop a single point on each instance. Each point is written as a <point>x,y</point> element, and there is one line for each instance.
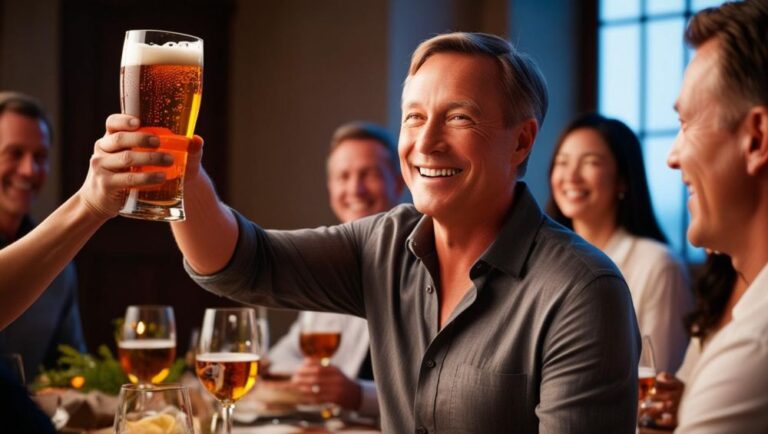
<point>412,118</point>
<point>16,154</point>
<point>459,119</point>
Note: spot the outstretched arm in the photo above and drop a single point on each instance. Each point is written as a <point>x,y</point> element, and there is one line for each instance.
<point>32,262</point>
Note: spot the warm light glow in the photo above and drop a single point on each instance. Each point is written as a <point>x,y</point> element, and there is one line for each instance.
<point>140,328</point>
<point>77,381</point>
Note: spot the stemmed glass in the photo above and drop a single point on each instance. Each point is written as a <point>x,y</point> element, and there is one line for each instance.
<point>163,408</point>
<point>646,374</point>
<point>147,343</point>
<point>227,364</point>
<point>319,342</point>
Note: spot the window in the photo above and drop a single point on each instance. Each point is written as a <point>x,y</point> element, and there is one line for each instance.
<point>642,57</point>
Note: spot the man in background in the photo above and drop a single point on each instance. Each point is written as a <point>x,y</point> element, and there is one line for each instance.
<point>363,179</point>
<point>54,319</point>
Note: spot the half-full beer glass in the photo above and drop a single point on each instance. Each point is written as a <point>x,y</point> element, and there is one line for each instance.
<point>161,83</point>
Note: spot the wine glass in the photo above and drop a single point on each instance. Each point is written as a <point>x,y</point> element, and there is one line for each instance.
<point>146,343</point>
<point>319,341</point>
<point>162,408</point>
<point>646,375</point>
<point>227,364</point>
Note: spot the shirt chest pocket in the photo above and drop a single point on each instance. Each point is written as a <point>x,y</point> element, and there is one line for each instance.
<point>487,402</point>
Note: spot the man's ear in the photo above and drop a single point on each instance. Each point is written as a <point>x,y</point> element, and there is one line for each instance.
<point>526,135</point>
<point>756,149</point>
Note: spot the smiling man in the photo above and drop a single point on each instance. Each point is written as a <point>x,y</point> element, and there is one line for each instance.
<point>485,316</point>
<point>54,319</point>
<point>722,153</point>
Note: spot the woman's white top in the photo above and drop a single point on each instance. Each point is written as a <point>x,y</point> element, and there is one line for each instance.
<point>659,284</point>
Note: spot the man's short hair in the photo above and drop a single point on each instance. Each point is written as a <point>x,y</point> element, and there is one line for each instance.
<point>359,130</point>
<point>25,105</point>
<point>522,83</point>
<point>741,28</point>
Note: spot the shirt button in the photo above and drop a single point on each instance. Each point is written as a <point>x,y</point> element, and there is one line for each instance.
<point>421,430</point>
<point>430,363</point>
<point>430,289</point>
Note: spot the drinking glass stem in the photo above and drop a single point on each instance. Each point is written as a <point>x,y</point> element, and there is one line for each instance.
<point>226,416</point>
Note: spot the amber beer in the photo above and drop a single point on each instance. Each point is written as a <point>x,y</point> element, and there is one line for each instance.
<point>161,82</point>
<point>319,345</point>
<point>646,378</point>
<point>146,360</point>
<point>227,376</point>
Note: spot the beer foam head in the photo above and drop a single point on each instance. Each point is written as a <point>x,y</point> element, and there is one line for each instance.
<point>146,344</point>
<point>227,357</point>
<point>170,53</point>
<point>645,372</point>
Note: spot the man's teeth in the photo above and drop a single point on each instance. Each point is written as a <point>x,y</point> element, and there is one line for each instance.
<point>22,185</point>
<point>435,173</point>
<point>357,206</point>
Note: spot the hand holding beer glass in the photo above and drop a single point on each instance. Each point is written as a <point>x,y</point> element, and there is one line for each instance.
<point>319,343</point>
<point>227,364</point>
<point>146,343</point>
<point>646,375</point>
<point>161,83</point>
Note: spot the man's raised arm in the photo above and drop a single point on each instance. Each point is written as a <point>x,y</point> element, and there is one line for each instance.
<point>208,236</point>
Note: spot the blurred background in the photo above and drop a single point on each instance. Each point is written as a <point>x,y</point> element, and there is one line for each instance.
<point>281,75</point>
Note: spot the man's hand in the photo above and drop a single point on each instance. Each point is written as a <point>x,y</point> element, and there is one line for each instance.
<point>662,409</point>
<point>109,175</point>
<point>323,384</point>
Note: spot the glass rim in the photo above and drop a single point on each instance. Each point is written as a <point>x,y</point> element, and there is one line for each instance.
<point>230,309</point>
<point>169,32</point>
<point>149,306</point>
<point>162,387</point>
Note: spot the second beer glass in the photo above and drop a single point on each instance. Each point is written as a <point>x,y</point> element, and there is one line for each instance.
<point>161,83</point>
<point>147,343</point>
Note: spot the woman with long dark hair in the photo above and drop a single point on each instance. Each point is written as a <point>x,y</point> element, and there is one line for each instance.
<point>717,289</point>
<point>599,190</point>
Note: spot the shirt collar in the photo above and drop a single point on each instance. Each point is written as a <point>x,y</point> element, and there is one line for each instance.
<point>509,250</point>
<point>754,298</point>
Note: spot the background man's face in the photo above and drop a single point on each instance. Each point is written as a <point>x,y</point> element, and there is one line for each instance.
<point>361,180</point>
<point>24,145</point>
<point>707,152</point>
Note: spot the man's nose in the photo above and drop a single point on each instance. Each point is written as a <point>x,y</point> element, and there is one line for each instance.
<point>430,138</point>
<point>673,158</point>
<point>28,165</point>
<point>358,186</point>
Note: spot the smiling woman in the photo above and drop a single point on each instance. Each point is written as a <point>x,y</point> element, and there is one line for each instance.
<point>599,190</point>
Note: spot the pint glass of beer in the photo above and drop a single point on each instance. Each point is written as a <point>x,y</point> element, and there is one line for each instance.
<point>161,83</point>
